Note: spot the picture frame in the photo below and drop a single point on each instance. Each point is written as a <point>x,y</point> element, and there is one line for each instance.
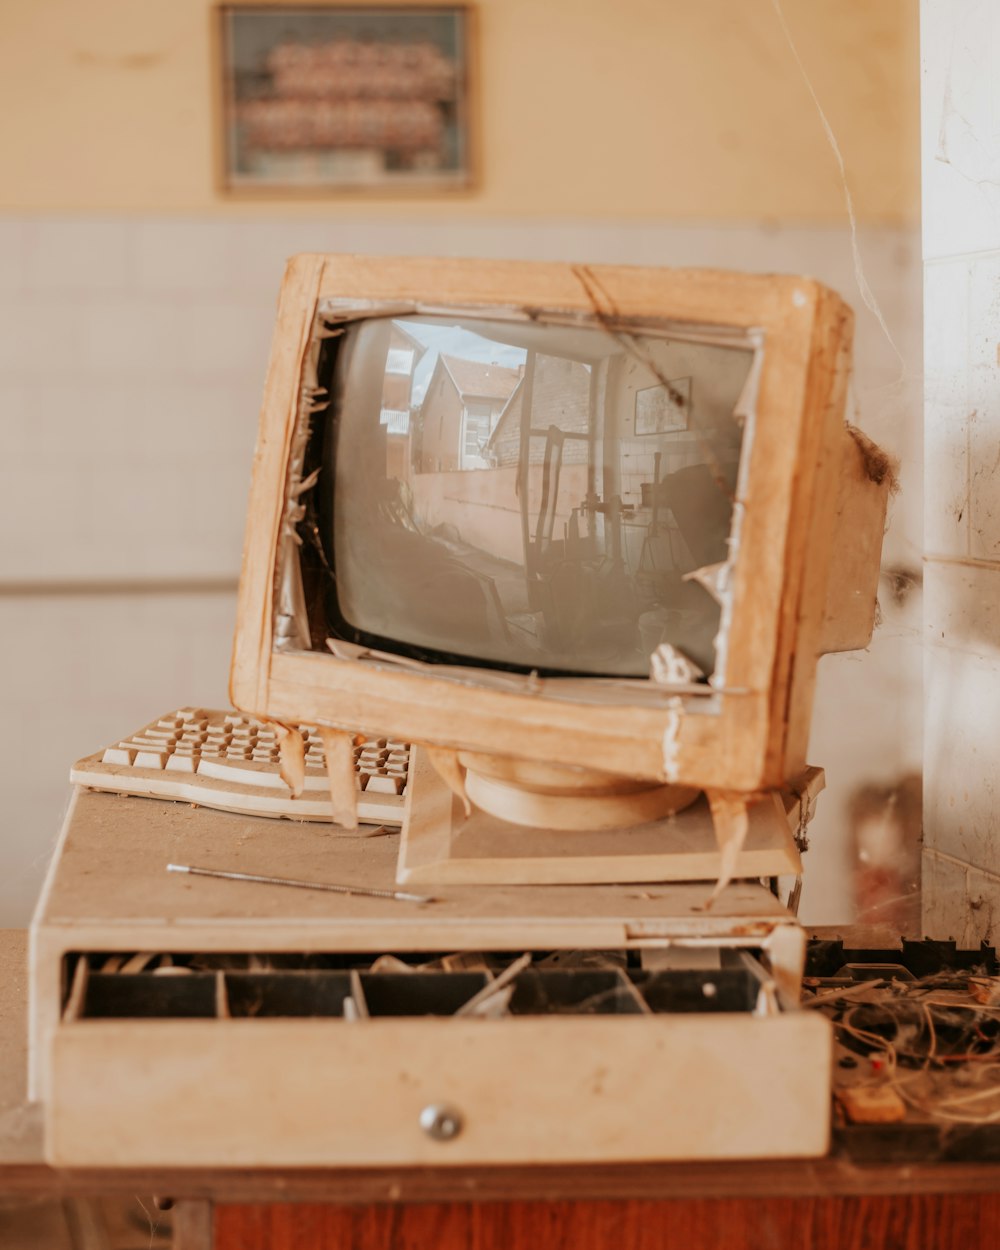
<point>663,409</point>
<point>321,98</point>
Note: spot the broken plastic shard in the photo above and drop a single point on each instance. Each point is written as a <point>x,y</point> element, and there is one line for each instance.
<point>338,750</point>
<point>476,1005</point>
<point>746,405</point>
<point>292,754</point>
<point>671,740</point>
<point>452,773</point>
<point>306,484</point>
<point>714,577</point>
<point>351,651</point>
<point>346,650</point>
<point>494,1006</point>
<point>670,667</point>
<point>730,818</point>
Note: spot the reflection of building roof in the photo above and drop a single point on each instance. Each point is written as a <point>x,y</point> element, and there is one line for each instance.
<point>473,378</point>
<point>400,332</point>
<point>560,397</point>
<point>510,419</point>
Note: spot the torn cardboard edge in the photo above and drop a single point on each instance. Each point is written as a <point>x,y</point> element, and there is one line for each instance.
<point>591,690</point>
<point>291,618</point>
<point>879,466</point>
<point>335,313</point>
<point>338,751</point>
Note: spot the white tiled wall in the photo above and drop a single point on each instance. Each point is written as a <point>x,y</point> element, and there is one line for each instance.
<point>77,672</point>
<point>132,354</point>
<point>961,196</point>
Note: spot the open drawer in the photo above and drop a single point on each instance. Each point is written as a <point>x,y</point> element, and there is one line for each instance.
<point>326,1065</point>
<point>276,1030</point>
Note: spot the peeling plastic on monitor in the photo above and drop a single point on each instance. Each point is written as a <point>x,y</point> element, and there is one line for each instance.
<point>449,768</point>
<point>333,314</point>
<point>731,820</point>
<point>672,742</point>
<point>672,668</point>
<point>745,411</point>
<point>714,577</point>
<point>746,405</point>
<point>291,618</point>
<point>594,690</point>
<point>292,753</point>
<point>879,465</point>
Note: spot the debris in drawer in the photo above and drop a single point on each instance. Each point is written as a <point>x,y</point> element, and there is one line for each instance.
<point>354,988</point>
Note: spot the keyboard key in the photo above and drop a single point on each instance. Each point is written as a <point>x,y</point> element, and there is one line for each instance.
<point>151,759</point>
<point>118,755</point>
<point>384,785</point>
<point>182,763</point>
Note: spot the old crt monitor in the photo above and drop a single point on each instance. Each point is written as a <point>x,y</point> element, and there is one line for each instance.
<point>578,533</point>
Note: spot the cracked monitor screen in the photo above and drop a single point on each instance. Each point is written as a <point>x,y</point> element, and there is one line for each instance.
<point>528,496</point>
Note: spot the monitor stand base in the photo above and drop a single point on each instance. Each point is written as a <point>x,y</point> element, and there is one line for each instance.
<point>440,843</point>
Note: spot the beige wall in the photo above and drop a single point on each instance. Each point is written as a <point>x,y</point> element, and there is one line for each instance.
<point>588,108</point>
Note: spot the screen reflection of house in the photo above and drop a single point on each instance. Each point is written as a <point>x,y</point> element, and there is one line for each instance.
<point>528,495</point>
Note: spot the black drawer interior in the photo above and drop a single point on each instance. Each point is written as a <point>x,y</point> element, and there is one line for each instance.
<point>353,987</point>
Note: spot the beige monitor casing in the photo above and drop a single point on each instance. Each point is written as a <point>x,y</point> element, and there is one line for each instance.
<point>803,573</point>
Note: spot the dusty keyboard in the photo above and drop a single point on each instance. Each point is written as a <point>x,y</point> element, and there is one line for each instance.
<point>229,761</point>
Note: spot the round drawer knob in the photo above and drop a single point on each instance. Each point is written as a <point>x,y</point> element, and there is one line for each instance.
<point>440,1121</point>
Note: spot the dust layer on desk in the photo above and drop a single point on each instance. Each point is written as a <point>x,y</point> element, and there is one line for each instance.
<point>466,984</point>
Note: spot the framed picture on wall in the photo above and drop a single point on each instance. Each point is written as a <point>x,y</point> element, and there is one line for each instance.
<point>663,409</point>
<point>339,97</point>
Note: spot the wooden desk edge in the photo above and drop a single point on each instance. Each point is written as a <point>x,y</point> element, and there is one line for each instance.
<point>829,1177</point>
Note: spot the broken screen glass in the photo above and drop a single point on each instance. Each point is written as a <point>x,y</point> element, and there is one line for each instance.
<point>522,495</point>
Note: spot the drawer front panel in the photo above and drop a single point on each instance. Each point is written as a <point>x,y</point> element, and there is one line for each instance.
<point>310,1093</point>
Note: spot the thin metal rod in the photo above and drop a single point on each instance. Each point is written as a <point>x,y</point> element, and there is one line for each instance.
<point>366,891</point>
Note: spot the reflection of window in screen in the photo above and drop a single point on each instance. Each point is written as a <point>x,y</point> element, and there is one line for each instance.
<point>477,427</point>
<point>572,559</point>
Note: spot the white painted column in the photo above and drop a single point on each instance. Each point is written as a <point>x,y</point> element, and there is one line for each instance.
<point>960,49</point>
